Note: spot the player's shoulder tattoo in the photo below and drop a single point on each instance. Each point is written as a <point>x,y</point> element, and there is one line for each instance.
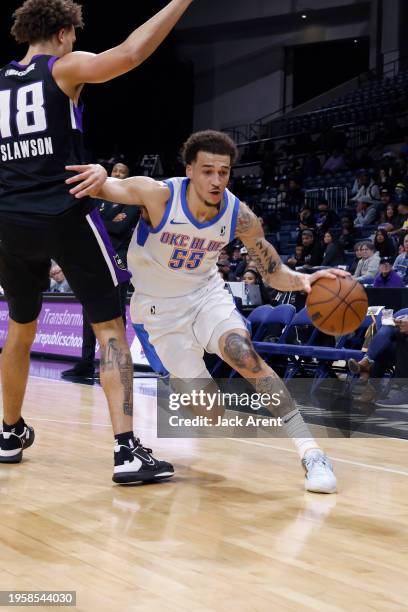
<point>246,219</point>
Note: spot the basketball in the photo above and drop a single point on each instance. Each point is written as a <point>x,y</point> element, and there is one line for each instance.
<point>338,305</point>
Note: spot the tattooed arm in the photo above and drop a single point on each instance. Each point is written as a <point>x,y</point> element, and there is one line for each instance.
<point>274,272</point>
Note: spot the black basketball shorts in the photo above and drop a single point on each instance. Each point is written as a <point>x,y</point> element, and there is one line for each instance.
<point>79,243</point>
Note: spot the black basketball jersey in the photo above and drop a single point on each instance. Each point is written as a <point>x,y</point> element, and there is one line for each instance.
<point>40,133</point>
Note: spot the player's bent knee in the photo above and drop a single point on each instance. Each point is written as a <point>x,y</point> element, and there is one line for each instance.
<point>238,351</point>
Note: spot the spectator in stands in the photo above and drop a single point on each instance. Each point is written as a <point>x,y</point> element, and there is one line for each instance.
<point>386,276</point>
<point>357,257</point>
<point>58,284</point>
<point>312,254</point>
<point>335,162</point>
<point>385,183</point>
<point>306,218</point>
<point>369,263</point>
<point>252,277</point>
<point>297,259</point>
<point>366,210</point>
<point>243,264</point>
<point>224,268</point>
<point>294,196</point>
<point>364,186</point>
<point>325,218</point>
<point>235,259</point>
<point>388,349</point>
<point>384,244</point>
<point>385,196</point>
<point>390,219</point>
<point>401,262</point>
<point>401,220</point>
<point>333,253</point>
<point>347,233</point>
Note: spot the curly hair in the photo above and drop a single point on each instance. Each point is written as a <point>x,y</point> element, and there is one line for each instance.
<point>38,20</point>
<point>209,141</point>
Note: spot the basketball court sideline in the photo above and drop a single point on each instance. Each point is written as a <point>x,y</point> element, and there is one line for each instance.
<point>234,525</point>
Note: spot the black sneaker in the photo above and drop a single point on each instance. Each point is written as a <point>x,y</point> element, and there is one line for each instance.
<point>12,445</point>
<point>80,370</point>
<point>134,463</point>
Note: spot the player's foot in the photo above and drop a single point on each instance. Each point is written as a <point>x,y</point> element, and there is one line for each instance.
<point>12,445</point>
<point>319,473</point>
<point>396,399</point>
<point>80,370</point>
<point>359,367</point>
<point>134,463</point>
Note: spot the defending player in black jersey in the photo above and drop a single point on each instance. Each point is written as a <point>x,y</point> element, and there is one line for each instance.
<point>40,134</point>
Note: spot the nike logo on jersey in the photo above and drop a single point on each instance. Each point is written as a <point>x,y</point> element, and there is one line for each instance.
<point>173,222</point>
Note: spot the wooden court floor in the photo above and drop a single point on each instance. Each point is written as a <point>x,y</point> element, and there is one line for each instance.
<point>234,530</point>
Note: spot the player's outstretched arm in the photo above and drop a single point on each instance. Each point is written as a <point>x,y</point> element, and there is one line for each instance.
<point>79,67</point>
<point>249,230</point>
<point>91,180</point>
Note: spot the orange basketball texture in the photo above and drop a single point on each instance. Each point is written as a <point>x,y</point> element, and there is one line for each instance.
<point>338,305</point>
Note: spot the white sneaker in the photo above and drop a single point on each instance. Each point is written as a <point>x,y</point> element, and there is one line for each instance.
<point>319,473</point>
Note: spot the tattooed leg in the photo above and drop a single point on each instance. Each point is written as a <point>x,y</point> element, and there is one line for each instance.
<point>237,350</point>
<point>116,371</point>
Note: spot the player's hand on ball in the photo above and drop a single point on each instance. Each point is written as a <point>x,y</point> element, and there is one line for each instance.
<point>309,279</point>
<point>90,177</point>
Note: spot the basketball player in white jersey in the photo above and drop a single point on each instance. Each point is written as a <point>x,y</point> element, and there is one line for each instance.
<point>179,296</point>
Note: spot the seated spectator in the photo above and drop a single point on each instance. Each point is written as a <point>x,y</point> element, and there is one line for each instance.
<point>364,186</point>
<point>388,349</point>
<point>369,263</point>
<point>224,268</point>
<point>387,277</point>
<point>385,196</point>
<point>325,218</point>
<point>294,196</point>
<point>235,259</point>
<point>366,210</point>
<point>389,218</point>
<point>312,254</point>
<point>297,259</point>
<point>58,284</point>
<point>252,277</point>
<point>346,239</point>
<point>384,244</point>
<point>335,162</point>
<point>401,262</point>
<point>401,221</point>
<point>334,253</point>
<point>357,257</point>
<point>243,264</point>
<point>306,218</point>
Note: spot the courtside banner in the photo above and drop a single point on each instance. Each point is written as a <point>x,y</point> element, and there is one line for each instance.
<point>59,330</point>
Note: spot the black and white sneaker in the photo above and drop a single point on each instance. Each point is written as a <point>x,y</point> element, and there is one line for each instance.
<point>12,445</point>
<point>134,463</point>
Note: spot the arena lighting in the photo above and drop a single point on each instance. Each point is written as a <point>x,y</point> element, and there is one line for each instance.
<point>304,16</point>
<point>355,40</point>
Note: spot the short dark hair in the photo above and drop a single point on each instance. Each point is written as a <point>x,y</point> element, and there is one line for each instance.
<point>209,141</point>
<point>38,20</point>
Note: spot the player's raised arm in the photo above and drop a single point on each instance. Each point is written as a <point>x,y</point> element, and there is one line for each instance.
<point>91,180</point>
<point>80,67</point>
<point>249,230</point>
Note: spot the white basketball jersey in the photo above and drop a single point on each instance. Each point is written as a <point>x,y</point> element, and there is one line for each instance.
<point>179,256</point>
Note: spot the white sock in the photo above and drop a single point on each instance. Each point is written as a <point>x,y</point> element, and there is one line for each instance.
<point>297,429</point>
